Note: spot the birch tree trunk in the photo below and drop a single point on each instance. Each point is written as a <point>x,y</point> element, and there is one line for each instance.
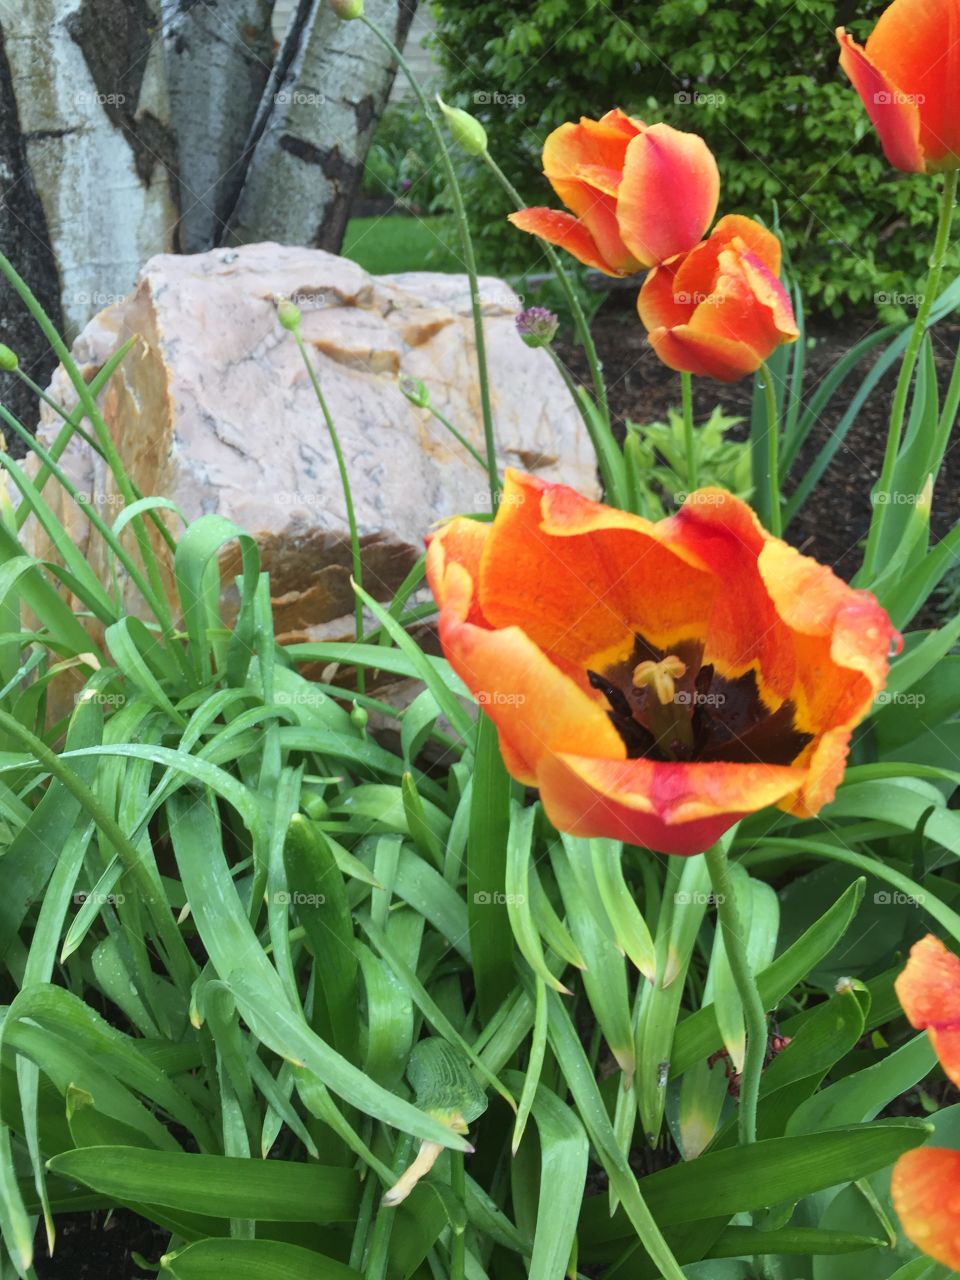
<point>135,127</point>
<point>25,239</point>
<point>89,84</point>
<point>308,161</point>
<point>219,60</point>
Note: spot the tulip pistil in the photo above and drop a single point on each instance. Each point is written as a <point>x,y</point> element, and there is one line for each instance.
<point>660,676</point>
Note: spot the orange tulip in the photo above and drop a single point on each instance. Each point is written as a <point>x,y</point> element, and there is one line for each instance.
<point>656,681</point>
<point>721,310</point>
<point>638,194</point>
<point>926,1182</point>
<point>906,75</point>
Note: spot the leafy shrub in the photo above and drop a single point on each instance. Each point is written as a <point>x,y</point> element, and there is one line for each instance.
<point>401,163</point>
<point>758,79</point>
<point>660,467</point>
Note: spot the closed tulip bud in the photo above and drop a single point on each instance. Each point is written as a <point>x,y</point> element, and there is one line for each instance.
<point>9,361</point>
<point>347,9</point>
<point>467,133</point>
<point>537,326</point>
<point>415,391</point>
<point>288,313</point>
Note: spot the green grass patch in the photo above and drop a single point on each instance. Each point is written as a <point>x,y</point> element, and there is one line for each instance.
<point>398,243</point>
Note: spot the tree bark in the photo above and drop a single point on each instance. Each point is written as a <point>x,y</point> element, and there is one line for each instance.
<point>26,242</point>
<point>219,59</point>
<point>308,160</point>
<point>91,98</point>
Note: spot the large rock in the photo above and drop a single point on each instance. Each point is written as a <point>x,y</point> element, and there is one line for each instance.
<point>214,409</point>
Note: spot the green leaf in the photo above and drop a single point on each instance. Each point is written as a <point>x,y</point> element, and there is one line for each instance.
<point>564,1155</point>
<point>772,1171</point>
<point>698,1036</point>
<point>218,1186</point>
<point>492,940</point>
<point>252,1260</point>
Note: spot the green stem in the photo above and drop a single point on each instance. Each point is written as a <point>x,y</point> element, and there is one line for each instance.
<point>898,412</point>
<point>378,1254</point>
<point>772,460</point>
<point>445,422</point>
<point>689,442</point>
<point>755,1019</point>
<point>611,483</point>
<point>458,1242</point>
<point>469,257</point>
<point>347,492</point>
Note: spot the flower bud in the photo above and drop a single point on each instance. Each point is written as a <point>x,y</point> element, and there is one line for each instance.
<point>415,391</point>
<point>537,326</point>
<point>288,313</point>
<point>347,9</point>
<point>467,132</point>
<point>8,359</point>
<point>359,715</point>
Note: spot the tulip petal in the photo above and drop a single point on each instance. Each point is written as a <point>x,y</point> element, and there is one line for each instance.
<point>916,44</point>
<point>748,308</point>
<point>894,116</point>
<point>669,808</point>
<point>929,991</point>
<point>458,542</point>
<point>833,628</point>
<point>566,232</point>
<point>925,1189</point>
<point>668,195</point>
<point>704,355</point>
<point>660,303</point>
<point>536,707</point>
<point>929,987</point>
<point>617,119</point>
<point>591,142</point>
<point>574,156</point>
<point>720,311</point>
<point>582,579</point>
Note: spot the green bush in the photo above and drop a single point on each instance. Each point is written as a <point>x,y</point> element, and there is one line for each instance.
<point>401,163</point>
<point>759,79</point>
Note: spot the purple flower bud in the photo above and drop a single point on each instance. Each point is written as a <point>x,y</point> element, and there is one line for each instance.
<point>537,326</point>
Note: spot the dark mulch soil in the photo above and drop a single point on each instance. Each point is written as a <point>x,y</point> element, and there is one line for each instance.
<point>835,519</point>
<point>98,1246</point>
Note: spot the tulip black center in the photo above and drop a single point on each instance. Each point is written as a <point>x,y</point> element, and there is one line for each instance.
<point>709,719</point>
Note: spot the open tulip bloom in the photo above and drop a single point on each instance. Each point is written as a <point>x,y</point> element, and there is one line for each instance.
<point>637,194</point>
<point>720,311</point>
<point>656,681</point>
<point>926,1182</point>
<point>906,75</point>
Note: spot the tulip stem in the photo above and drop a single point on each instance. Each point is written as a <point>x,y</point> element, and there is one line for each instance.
<point>772,449</point>
<point>898,412</point>
<point>347,492</point>
<point>689,441</point>
<point>614,489</point>
<point>469,257</point>
<point>754,1016</point>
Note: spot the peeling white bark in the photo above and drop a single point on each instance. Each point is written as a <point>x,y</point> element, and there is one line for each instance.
<point>309,157</point>
<point>218,60</point>
<point>104,216</point>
